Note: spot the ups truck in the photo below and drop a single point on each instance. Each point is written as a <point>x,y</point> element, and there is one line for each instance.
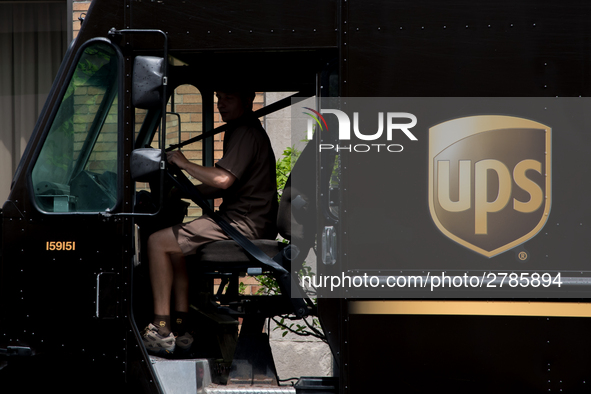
<point>443,187</point>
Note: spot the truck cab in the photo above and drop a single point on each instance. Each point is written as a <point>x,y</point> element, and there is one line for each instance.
<point>74,229</point>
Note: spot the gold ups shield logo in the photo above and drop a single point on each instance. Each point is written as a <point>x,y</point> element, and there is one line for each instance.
<point>490,180</point>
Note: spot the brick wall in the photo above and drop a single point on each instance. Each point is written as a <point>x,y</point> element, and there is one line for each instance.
<point>188,105</point>
<point>79,8</point>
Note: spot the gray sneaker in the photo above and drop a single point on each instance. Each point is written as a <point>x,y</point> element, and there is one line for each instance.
<point>156,344</point>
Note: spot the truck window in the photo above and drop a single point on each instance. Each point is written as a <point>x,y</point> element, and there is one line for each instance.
<point>184,120</point>
<point>77,167</point>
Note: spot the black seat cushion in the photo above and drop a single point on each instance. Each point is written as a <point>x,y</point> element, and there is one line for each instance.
<point>230,252</point>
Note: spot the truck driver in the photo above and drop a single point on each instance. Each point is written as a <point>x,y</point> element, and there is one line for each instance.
<point>245,179</point>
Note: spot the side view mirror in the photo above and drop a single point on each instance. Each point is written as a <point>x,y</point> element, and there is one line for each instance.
<point>145,164</point>
<point>147,82</point>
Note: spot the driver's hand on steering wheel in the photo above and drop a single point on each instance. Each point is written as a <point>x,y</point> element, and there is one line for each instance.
<point>177,158</point>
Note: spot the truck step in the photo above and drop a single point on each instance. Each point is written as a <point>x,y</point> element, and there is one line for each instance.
<point>193,376</point>
<point>249,390</point>
<point>182,376</point>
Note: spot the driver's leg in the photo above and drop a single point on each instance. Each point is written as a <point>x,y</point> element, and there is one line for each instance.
<point>180,290</point>
<point>168,276</point>
<point>180,283</point>
<point>163,250</point>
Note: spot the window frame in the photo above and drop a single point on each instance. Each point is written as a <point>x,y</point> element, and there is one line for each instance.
<point>120,132</point>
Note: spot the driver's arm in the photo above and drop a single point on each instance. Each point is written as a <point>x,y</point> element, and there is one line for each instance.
<point>210,176</point>
<point>210,191</point>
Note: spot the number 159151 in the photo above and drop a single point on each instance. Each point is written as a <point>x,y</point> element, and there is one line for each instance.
<point>59,245</point>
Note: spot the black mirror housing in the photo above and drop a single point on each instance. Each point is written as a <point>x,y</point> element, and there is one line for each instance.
<point>145,164</point>
<point>148,75</point>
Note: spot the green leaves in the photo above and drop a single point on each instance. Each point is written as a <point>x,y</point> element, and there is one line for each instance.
<point>283,167</point>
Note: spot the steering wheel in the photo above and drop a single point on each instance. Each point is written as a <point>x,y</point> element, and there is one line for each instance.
<point>178,178</point>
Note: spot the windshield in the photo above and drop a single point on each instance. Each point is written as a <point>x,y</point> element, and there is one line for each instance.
<point>77,168</point>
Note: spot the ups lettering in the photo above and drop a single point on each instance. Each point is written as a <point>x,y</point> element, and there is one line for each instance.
<point>486,171</point>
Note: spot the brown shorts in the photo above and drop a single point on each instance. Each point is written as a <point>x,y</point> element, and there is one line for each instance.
<point>198,232</point>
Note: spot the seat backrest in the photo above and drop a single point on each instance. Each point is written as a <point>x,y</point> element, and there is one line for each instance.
<point>296,218</point>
